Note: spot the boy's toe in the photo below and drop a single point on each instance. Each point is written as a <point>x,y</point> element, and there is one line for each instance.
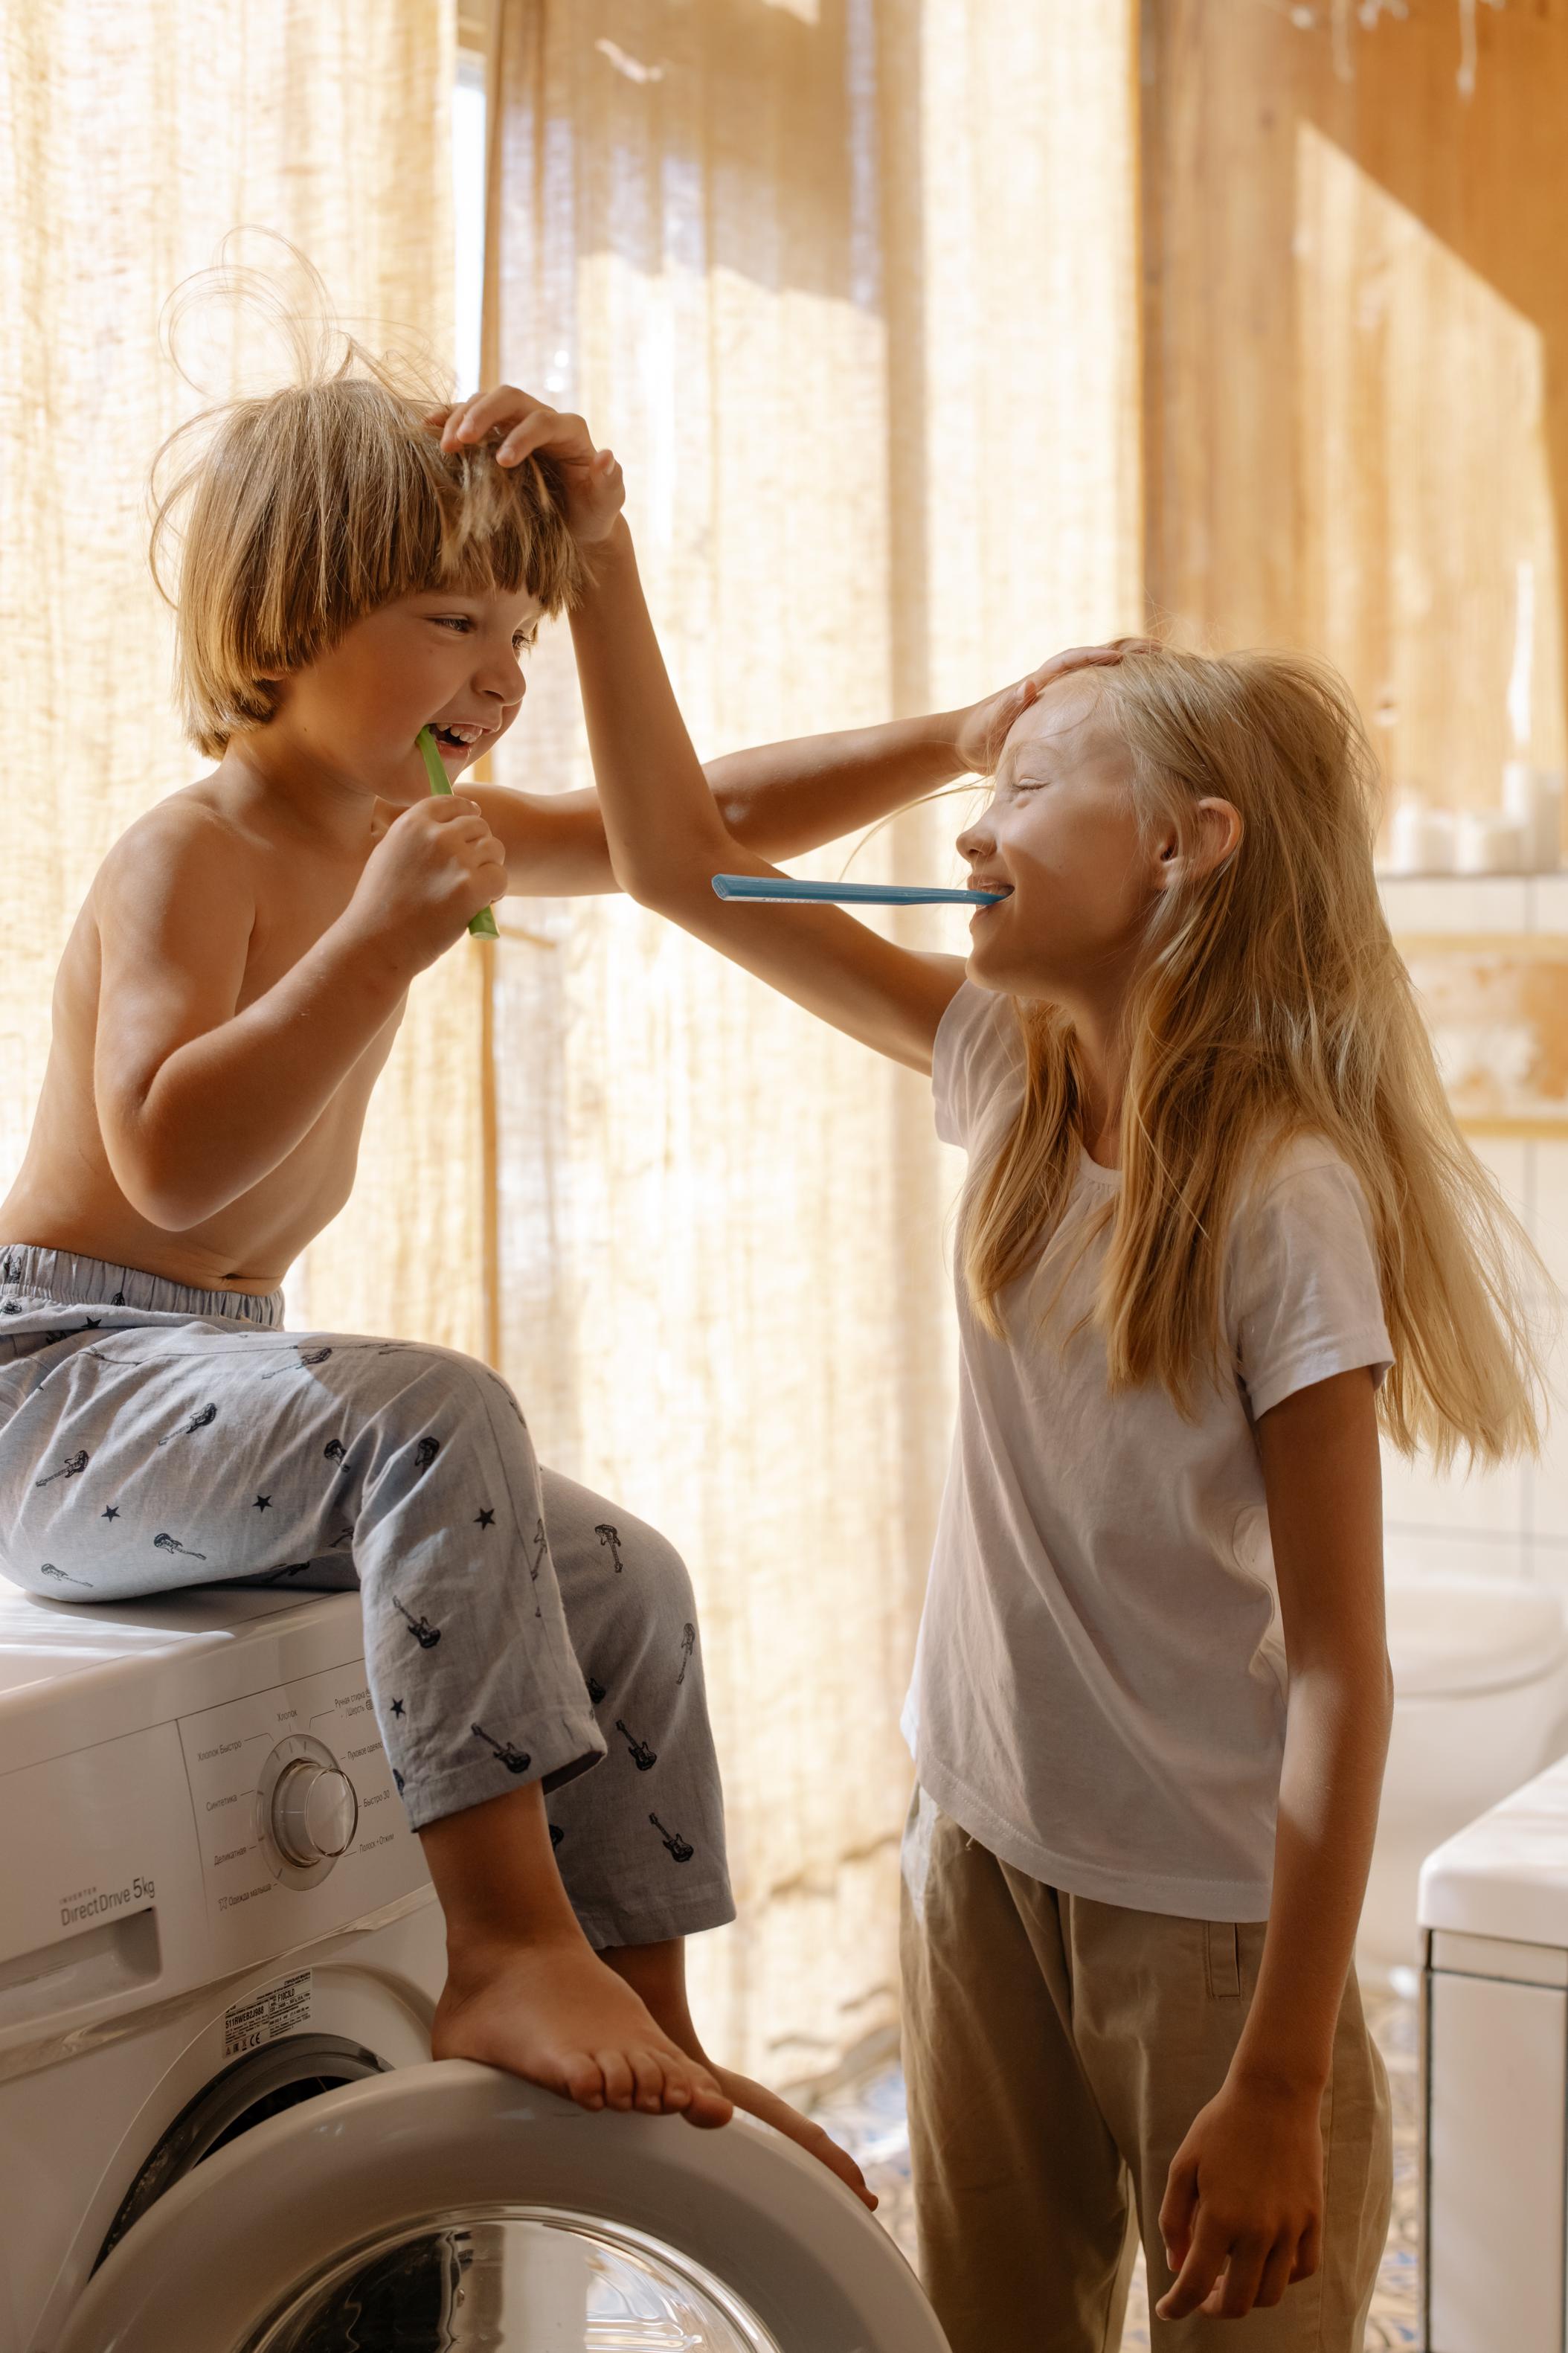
<point>837,2160</point>
<point>655,2081</point>
<point>583,2080</point>
<point>620,2081</point>
<point>709,2106</point>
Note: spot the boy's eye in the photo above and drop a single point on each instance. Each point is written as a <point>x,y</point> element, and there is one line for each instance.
<point>524,641</point>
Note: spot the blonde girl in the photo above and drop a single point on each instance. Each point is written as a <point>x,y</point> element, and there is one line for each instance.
<point>1218,1227</point>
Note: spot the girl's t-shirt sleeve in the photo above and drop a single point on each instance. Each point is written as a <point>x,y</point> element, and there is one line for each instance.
<point>1304,1301</point>
<point>976,1054</point>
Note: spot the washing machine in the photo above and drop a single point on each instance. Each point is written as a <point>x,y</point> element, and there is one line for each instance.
<point>220,2125</point>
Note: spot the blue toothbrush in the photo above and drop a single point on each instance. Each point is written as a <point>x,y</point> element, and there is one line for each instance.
<point>864,894</point>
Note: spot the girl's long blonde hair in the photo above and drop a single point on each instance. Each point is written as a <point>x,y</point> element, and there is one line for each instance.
<point>1270,1003</point>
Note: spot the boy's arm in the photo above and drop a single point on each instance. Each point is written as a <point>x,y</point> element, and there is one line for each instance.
<point>198,1100</point>
<point>1246,2194</point>
<point>777,799</point>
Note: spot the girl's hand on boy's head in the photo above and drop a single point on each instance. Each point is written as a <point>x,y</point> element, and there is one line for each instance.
<point>984,727</point>
<point>525,428</point>
<point>1243,2210</point>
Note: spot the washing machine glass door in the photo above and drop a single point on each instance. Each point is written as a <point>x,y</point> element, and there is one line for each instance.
<point>449,2207</point>
<point>519,2275</point>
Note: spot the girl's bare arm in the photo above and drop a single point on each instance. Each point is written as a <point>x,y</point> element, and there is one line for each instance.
<point>671,826</point>
<point>1246,2188</point>
<point>667,839</point>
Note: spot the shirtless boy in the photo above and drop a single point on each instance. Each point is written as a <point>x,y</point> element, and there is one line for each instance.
<point>227,999</point>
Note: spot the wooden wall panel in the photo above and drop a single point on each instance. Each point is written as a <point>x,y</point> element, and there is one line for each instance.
<point>1356,358</point>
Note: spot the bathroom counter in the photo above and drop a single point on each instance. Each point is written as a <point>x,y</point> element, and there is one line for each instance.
<point>1505,1873</point>
<point>1473,906</point>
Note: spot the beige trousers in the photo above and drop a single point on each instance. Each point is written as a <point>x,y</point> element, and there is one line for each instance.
<point>1057,2050</point>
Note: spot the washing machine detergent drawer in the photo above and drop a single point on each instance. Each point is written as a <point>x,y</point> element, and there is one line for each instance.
<point>449,2206</point>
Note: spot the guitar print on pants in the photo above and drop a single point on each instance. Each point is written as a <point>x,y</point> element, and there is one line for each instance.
<point>516,1760</point>
<point>72,1469</point>
<point>681,1849</point>
<point>202,1421</point>
<point>424,1633</point>
<point>642,1756</point>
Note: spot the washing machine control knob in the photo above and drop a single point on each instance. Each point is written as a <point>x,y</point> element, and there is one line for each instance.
<point>314,1812</point>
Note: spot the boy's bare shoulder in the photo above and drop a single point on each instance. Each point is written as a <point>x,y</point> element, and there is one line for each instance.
<point>182,845</point>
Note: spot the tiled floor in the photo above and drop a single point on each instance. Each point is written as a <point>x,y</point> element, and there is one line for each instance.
<point>868,2118</point>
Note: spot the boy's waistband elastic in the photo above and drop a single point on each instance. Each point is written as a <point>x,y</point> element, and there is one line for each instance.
<point>33,1278</point>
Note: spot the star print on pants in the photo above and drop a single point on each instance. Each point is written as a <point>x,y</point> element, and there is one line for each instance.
<point>109,1512</point>
<point>484,1519</point>
<point>262,1504</point>
<point>397,1707</point>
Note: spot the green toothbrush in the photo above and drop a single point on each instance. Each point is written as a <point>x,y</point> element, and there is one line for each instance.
<point>483,924</point>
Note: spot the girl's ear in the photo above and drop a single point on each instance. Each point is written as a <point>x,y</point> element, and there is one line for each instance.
<point>1218,839</point>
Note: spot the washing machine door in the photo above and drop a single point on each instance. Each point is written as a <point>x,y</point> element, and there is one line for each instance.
<point>450,2207</point>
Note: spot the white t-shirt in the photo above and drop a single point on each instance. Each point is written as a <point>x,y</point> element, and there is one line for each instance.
<point>1100,1688</point>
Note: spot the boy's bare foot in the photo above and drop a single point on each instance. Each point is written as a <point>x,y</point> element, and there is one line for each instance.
<point>552,2013</point>
<point>767,2107</point>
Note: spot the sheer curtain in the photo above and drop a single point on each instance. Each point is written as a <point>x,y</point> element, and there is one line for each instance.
<point>134,134</point>
<point>850,286</point>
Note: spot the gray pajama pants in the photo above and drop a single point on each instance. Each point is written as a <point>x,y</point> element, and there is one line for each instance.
<point>518,1627</point>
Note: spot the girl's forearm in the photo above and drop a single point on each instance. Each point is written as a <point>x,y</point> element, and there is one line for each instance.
<point>662,824</point>
<point>1335,1745</point>
<point>777,799</point>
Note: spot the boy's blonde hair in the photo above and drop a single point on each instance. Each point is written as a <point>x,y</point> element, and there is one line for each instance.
<point>1270,1003</point>
<point>300,512</point>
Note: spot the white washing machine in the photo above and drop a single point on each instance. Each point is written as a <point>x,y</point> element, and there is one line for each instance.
<point>220,2128</point>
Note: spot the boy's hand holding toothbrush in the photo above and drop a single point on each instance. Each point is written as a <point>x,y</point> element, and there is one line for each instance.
<point>433,870</point>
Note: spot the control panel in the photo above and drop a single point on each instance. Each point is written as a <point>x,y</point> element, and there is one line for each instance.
<point>300,1825</point>
<point>307,1810</point>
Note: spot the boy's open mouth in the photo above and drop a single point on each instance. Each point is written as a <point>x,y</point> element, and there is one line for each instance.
<point>458,734</point>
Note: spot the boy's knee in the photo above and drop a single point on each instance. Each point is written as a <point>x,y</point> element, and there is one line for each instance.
<point>660,1589</point>
<point>436,1386</point>
<point>626,1581</point>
